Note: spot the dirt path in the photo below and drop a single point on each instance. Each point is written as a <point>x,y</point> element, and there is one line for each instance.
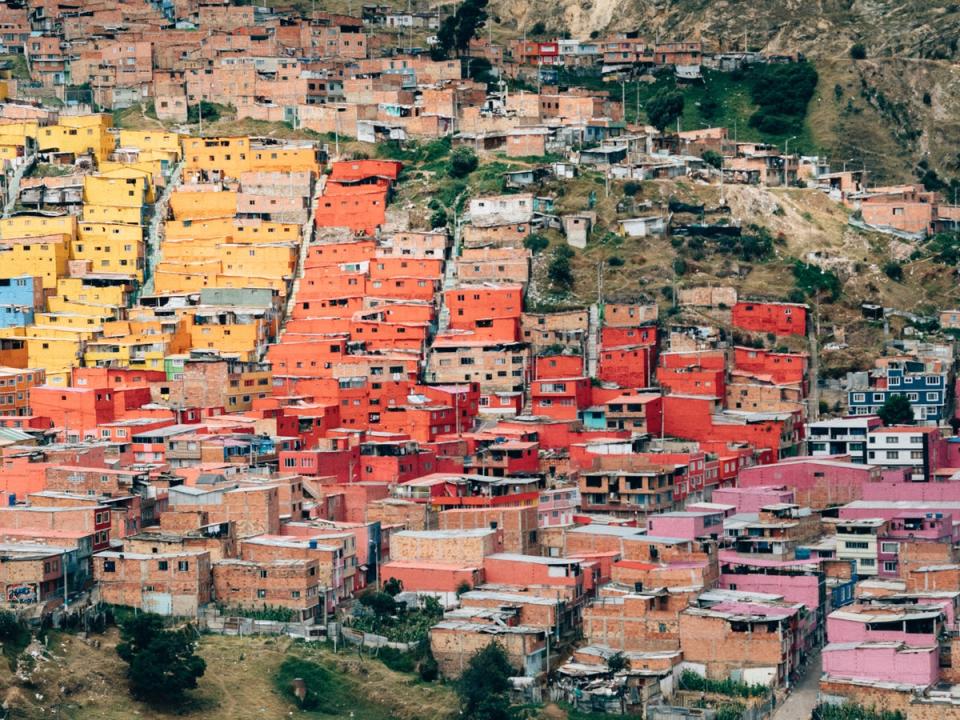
<point>801,702</point>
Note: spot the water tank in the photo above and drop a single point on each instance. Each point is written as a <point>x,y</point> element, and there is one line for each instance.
<point>313,544</point>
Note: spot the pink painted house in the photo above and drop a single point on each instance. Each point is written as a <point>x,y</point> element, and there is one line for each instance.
<point>557,506</point>
<point>752,499</point>
<point>911,527</point>
<point>893,491</point>
<point>890,662</point>
<point>798,581</point>
<point>688,525</point>
<point>890,509</point>
<point>817,482</point>
<point>915,625</point>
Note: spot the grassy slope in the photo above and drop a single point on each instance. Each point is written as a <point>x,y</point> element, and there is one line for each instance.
<point>86,683</point>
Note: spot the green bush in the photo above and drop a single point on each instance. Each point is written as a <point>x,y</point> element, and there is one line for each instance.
<point>664,108</point>
<point>324,693</point>
<point>782,92</point>
<point>396,660</point>
<point>264,612</point>
<point>893,270</point>
<point>858,51</point>
<point>851,711</point>
<point>812,280</point>
<point>713,158</point>
<point>945,248</point>
<point>693,681</point>
<point>615,261</point>
<point>211,111</point>
<point>438,218</point>
<point>560,273</point>
<point>428,669</point>
<point>463,161</point>
<point>535,243</point>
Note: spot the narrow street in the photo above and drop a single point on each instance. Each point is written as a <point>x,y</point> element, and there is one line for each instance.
<point>801,702</point>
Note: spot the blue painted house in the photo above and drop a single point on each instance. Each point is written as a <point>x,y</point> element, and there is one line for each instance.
<point>19,298</point>
<point>926,391</point>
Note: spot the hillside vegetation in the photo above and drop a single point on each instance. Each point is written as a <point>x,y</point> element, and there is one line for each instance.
<point>246,679</point>
<point>898,105</point>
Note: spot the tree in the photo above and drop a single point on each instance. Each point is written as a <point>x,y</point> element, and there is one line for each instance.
<point>617,662</point>
<point>709,107</point>
<point>893,270</point>
<point>382,604</point>
<point>463,161</point>
<point>535,242</point>
<point>438,218</point>
<point>458,29</point>
<point>713,158</point>
<point>539,28</point>
<point>782,93</point>
<point>485,685</point>
<point>136,633</point>
<point>162,664</point>
<point>664,108</point>
<point>165,668</point>
<point>858,51</point>
<point>560,273</point>
<point>393,587</point>
<point>896,410</point>
<point>211,112</point>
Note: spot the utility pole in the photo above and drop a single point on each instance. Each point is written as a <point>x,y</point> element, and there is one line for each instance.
<point>786,158</point>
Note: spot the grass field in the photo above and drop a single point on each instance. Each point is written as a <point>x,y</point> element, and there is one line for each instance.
<point>79,680</point>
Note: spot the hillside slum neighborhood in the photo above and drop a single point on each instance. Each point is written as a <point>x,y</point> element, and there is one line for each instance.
<point>234,377</point>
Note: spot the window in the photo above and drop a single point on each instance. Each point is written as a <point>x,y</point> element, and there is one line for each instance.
<point>261,593</point>
<point>868,562</point>
<point>183,565</point>
<point>890,547</point>
<point>856,545</point>
<point>163,566</point>
<point>109,566</point>
<point>890,566</point>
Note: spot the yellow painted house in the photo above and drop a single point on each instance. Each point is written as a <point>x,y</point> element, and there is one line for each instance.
<point>151,140</point>
<point>231,229</point>
<point>231,156</point>
<point>23,226</point>
<point>44,257</point>
<point>194,204</point>
<point>23,132</point>
<point>111,248</point>
<point>78,134</point>
<point>81,294</point>
<point>121,188</point>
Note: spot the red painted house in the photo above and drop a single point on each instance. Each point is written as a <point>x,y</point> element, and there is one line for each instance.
<point>776,318</point>
<point>561,398</point>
